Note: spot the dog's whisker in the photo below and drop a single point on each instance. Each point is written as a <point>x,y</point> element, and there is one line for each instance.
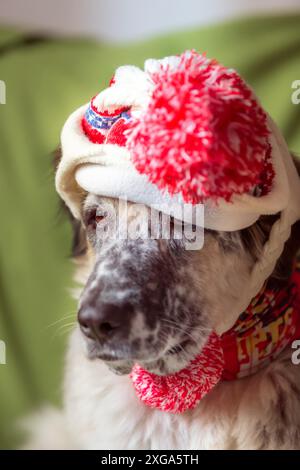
<point>62,329</point>
<point>173,322</point>
<point>185,332</point>
<point>65,317</point>
<point>186,355</point>
<point>187,326</point>
<point>185,329</point>
<point>64,332</point>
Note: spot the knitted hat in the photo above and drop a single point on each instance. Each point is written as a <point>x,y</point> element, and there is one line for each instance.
<point>185,130</point>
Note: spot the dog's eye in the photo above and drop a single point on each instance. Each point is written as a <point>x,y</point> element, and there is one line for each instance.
<point>94,217</point>
<point>100,217</point>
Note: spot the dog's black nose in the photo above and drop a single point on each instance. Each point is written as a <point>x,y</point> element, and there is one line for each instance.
<point>104,321</point>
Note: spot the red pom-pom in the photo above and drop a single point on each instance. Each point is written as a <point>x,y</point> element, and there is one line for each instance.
<point>183,390</point>
<point>203,134</point>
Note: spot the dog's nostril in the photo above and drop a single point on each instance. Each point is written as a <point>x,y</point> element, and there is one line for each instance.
<point>106,328</point>
<point>84,327</point>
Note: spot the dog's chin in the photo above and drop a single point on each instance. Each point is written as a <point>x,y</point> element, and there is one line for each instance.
<point>116,363</point>
<point>169,362</point>
<point>173,360</point>
<point>120,367</point>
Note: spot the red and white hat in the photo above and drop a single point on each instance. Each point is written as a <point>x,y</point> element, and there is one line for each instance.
<point>185,130</point>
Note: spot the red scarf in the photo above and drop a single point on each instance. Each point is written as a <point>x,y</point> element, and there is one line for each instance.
<point>261,333</point>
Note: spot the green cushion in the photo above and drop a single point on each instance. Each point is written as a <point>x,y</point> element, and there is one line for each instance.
<point>45,81</point>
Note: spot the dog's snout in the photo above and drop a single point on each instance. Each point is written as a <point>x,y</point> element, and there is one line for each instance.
<point>104,321</point>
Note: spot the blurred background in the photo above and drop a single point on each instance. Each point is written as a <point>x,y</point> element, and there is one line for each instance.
<point>55,55</point>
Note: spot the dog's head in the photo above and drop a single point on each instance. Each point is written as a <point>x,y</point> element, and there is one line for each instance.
<point>153,301</point>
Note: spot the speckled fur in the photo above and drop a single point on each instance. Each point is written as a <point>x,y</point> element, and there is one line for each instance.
<point>168,288</point>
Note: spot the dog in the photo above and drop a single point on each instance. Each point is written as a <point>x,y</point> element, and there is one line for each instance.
<point>180,345</point>
<point>153,301</point>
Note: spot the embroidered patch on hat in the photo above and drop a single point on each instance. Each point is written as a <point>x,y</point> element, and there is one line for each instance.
<point>98,124</point>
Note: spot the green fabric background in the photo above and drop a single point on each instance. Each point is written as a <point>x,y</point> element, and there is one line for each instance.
<point>46,81</point>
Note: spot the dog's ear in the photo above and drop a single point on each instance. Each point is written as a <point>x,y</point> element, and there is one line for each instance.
<point>79,244</point>
<point>257,235</point>
<point>286,262</point>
